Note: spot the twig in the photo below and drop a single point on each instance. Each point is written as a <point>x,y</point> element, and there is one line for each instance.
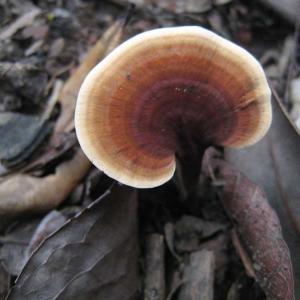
<point>198,277</point>
<point>155,287</point>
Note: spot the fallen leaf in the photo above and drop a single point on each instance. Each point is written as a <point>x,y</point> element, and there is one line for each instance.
<point>93,256</point>
<point>13,252</point>
<point>190,231</point>
<point>110,39</point>
<point>259,230</point>
<point>21,22</point>
<point>24,194</point>
<point>57,149</point>
<point>20,135</point>
<point>273,164</point>
<point>50,223</point>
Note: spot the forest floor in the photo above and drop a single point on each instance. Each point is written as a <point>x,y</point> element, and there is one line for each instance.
<point>48,190</point>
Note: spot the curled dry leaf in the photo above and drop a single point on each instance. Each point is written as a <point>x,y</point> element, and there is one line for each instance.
<point>23,193</point>
<point>259,229</point>
<point>56,150</point>
<point>273,164</point>
<point>93,256</point>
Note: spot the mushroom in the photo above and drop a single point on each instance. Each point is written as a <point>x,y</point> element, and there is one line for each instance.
<point>168,94</point>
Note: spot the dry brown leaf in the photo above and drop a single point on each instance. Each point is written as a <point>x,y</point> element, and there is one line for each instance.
<point>14,245</point>
<point>191,231</point>
<point>50,223</point>
<point>22,194</point>
<point>273,164</point>
<point>259,230</point>
<point>59,147</point>
<point>93,256</point>
<point>110,39</point>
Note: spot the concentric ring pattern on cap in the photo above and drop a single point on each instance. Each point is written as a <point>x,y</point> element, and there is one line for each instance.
<point>136,104</point>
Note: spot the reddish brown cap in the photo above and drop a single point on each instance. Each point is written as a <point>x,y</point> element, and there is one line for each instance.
<point>158,85</point>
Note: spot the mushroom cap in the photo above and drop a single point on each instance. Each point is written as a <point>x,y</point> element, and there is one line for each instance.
<point>136,104</point>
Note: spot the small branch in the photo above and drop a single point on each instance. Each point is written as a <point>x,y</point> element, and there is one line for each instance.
<point>198,277</point>
<point>155,287</point>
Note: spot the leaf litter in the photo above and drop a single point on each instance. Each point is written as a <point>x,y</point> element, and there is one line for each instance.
<point>273,165</point>
<point>97,249</point>
<point>161,212</point>
<point>260,232</point>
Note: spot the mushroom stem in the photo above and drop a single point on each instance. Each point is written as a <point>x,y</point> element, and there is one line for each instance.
<point>189,158</point>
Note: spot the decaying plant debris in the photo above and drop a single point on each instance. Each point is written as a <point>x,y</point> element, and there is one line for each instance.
<point>67,230</point>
